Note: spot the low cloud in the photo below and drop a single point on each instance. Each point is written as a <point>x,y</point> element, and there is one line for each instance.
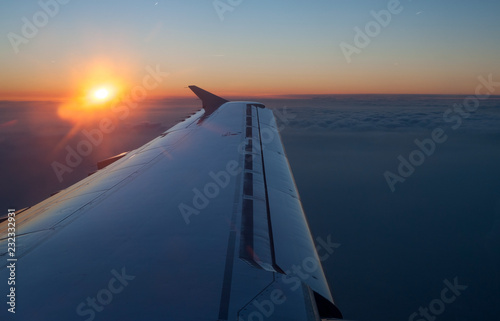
<point>387,114</point>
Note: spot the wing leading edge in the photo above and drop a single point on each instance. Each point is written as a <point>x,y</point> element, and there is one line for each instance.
<point>202,223</point>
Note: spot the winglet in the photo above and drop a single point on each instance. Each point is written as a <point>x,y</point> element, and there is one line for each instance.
<point>210,101</point>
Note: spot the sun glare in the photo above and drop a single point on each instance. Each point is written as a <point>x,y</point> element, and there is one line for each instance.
<point>101,94</point>
<point>95,94</point>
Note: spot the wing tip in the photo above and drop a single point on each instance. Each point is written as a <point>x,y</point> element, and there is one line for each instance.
<point>210,101</point>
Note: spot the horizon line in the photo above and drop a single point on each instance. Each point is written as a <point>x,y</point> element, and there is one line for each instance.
<point>242,97</point>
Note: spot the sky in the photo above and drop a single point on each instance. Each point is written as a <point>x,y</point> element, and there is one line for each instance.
<point>250,48</point>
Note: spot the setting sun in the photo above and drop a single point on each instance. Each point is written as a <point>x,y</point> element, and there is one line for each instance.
<point>101,94</point>
<point>97,94</point>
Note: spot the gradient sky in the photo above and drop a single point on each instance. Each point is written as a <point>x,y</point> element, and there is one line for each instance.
<point>261,47</point>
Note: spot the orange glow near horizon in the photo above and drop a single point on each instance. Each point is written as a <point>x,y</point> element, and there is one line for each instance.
<point>93,84</point>
<point>94,96</point>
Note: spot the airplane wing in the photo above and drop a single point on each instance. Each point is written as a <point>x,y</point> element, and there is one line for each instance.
<point>202,223</point>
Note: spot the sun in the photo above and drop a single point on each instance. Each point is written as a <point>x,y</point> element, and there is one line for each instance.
<point>101,94</point>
